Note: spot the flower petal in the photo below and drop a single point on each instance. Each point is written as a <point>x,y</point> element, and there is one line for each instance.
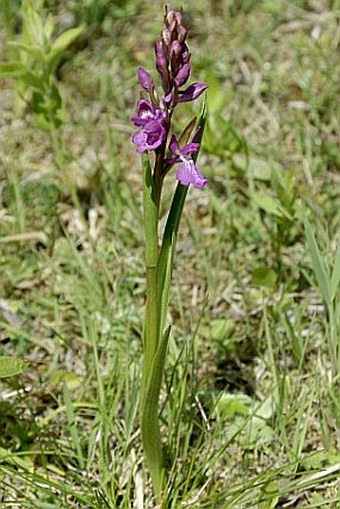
<point>192,92</point>
<point>145,113</point>
<point>145,109</point>
<point>190,148</point>
<point>150,137</point>
<point>187,174</point>
<point>173,145</point>
<point>138,137</point>
<point>172,160</point>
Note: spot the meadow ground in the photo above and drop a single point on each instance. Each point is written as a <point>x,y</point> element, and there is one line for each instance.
<point>250,401</point>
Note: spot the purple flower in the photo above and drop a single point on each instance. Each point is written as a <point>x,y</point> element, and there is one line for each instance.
<point>150,137</point>
<point>187,172</point>
<point>153,132</point>
<point>192,92</point>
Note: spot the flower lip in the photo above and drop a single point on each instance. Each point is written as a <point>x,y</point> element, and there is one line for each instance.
<point>188,173</point>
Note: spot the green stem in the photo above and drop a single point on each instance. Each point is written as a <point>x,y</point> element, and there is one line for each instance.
<point>152,375</point>
<point>158,278</point>
<point>151,256</point>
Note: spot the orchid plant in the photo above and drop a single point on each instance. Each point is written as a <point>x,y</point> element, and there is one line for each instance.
<point>154,135</point>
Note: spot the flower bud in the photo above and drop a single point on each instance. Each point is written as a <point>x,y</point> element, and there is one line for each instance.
<point>182,33</point>
<point>162,65</point>
<point>178,17</point>
<point>182,75</point>
<point>171,17</point>
<point>166,36</point>
<point>175,49</point>
<point>144,78</point>
<point>161,62</point>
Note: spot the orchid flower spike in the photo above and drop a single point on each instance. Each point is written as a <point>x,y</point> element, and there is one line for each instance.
<point>153,116</point>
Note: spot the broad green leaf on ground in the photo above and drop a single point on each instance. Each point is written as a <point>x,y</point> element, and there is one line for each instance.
<point>267,203</point>
<point>264,277</point>
<point>10,366</point>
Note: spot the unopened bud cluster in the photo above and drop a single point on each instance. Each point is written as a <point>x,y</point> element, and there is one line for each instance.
<point>172,53</point>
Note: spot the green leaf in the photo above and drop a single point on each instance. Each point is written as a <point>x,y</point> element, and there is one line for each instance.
<point>10,366</point>
<point>19,72</point>
<point>218,329</point>
<point>61,44</point>
<point>264,277</point>
<point>12,69</point>
<point>267,203</point>
<point>47,108</point>
<point>165,260</point>
<point>49,26</point>
<point>269,495</point>
<point>266,409</point>
<point>65,39</point>
<point>151,435</point>
<point>230,405</point>
<point>32,50</point>
<point>259,169</point>
<point>33,28</point>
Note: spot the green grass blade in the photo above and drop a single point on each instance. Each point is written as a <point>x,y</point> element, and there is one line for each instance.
<point>72,425</point>
<point>335,279</point>
<point>318,264</point>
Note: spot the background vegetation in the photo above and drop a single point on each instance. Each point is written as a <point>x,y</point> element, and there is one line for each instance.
<point>251,396</point>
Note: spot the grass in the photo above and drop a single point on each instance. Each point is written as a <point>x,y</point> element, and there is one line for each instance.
<point>250,405</point>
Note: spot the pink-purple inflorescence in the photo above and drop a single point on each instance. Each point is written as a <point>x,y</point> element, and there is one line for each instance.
<point>153,116</point>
